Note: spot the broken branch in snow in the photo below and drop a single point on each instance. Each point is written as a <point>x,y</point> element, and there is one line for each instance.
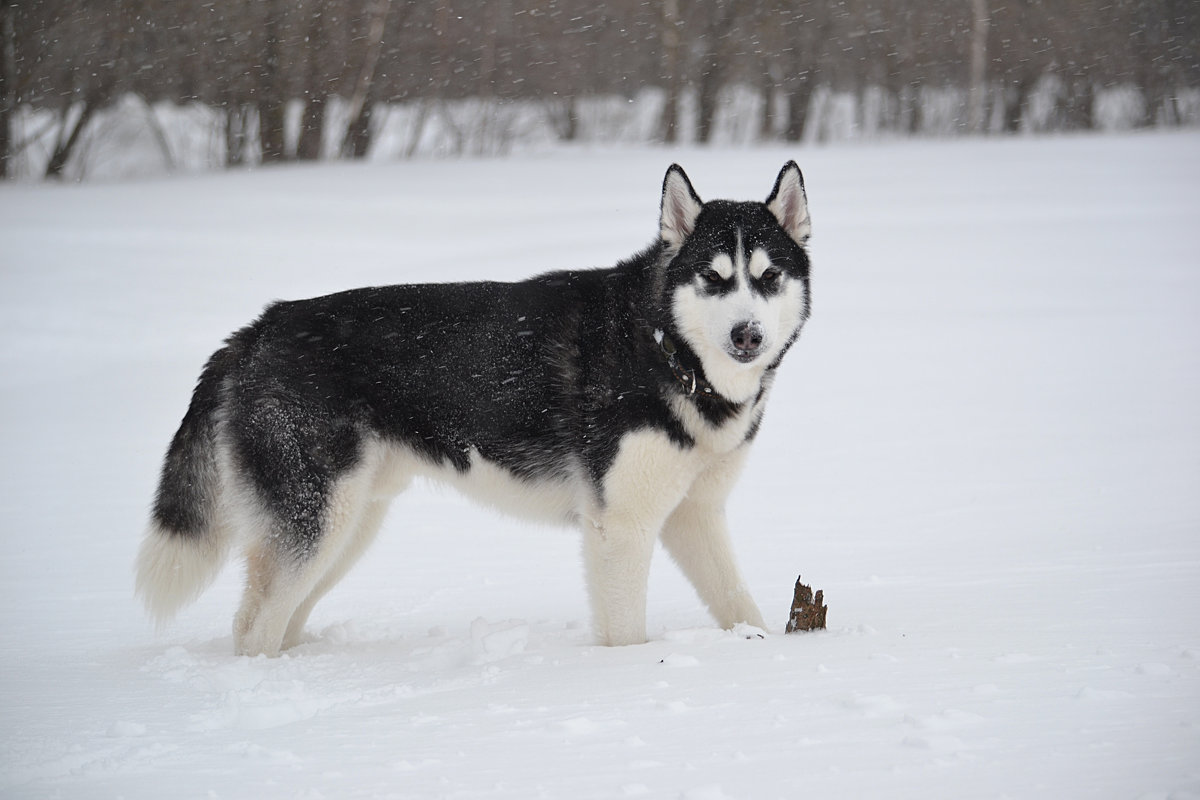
<point>808,613</point>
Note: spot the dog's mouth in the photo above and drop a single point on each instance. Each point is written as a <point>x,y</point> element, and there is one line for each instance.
<point>744,356</point>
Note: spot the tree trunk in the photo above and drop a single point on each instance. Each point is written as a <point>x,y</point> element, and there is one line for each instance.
<point>1077,104</point>
<point>270,92</point>
<point>1154,93</point>
<point>8,82</point>
<point>270,130</point>
<point>668,126</point>
<point>358,135</point>
<point>237,123</point>
<point>977,80</point>
<point>312,125</point>
<point>1016,98</point>
<point>308,148</point>
<point>418,128</point>
<point>159,133</point>
<point>708,96</point>
<point>358,132</point>
<point>716,39</point>
<point>916,116</point>
<point>64,147</point>
<point>770,107</point>
<point>570,128</point>
<point>798,103</point>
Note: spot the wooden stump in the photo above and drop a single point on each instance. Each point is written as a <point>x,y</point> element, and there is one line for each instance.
<point>808,613</point>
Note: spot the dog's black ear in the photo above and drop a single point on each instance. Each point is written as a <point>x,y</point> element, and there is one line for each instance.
<point>680,207</point>
<point>789,203</point>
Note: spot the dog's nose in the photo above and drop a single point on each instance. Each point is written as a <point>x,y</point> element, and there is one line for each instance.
<point>747,336</point>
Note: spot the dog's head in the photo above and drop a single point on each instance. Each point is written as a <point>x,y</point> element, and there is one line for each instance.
<point>736,277</point>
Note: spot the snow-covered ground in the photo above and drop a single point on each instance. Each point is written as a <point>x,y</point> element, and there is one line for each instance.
<point>985,449</point>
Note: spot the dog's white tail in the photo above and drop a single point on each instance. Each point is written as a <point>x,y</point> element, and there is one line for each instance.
<point>174,570</point>
<point>185,544</point>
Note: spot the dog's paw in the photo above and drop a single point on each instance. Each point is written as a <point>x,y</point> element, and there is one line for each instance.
<point>748,631</point>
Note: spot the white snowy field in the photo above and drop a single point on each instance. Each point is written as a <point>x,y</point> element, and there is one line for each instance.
<point>985,449</point>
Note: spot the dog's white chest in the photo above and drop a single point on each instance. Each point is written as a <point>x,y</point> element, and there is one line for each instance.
<point>722,438</point>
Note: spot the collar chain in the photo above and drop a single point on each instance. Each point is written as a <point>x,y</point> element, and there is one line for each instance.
<point>687,378</point>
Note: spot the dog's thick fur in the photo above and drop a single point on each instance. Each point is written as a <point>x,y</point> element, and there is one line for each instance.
<point>623,400</point>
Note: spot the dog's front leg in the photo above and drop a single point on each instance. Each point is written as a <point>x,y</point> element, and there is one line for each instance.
<point>645,482</point>
<point>697,539</point>
<point>617,556</point>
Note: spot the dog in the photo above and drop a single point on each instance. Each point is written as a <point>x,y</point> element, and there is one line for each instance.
<point>622,400</point>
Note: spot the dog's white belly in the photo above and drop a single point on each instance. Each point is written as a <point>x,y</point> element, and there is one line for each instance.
<point>391,467</point>
<point>551,500</point>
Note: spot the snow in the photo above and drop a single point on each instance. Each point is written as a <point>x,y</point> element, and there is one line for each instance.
<point>984,449</point>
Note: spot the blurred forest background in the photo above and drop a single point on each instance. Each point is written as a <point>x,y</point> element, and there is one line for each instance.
<point>210,83</point>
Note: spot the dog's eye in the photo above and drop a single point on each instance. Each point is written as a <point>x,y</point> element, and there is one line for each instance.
<point>712,277</point>
<point>770,276</point>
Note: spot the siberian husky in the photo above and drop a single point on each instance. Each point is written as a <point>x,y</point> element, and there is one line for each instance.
<point>622,400</point>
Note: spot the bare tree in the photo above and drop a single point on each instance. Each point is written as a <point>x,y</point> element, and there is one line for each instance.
<point>1021,55</point>
<point>713,44</point>
<point>669,36</point>
<point>271,93</point>
<point>8,81</point>
<point>977,81</point>
<point>250,58</point>
<point>312,125</point>
<point>1163,45</point>
<point>96,76</point>
<point>358,134</point>
<point>804,33</point>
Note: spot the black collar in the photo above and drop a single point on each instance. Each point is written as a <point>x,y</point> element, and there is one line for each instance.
<point>688,379</point>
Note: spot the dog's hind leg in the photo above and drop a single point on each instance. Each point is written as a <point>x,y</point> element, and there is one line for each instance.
<point>278,583</point>
<point>696,537</point>
<point>282,584</point>
<point>355,545</point>
<point>264,575</point>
